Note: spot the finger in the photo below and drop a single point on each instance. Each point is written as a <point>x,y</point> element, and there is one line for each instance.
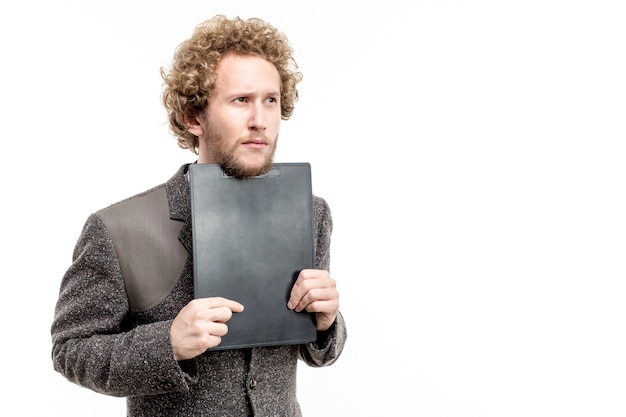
<point>220,314</point>
<point>216,302</point>
<point>306,280</point>
<point>328,306</point>
<point>311,285</point>
<point>316,297</point>
<point>218,329</point>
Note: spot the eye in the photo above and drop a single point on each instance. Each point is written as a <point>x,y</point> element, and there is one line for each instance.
<point>240,100</point>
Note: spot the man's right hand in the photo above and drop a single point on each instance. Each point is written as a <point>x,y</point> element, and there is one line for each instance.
<point>200,325</point>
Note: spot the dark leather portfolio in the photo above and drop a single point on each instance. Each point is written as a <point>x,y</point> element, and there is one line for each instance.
<point>251,238</point>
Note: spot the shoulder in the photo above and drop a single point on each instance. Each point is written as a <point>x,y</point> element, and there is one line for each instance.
<point>134,203</point>
<point>139,206</point>
<point>321,212</point>
<point>320,206</point>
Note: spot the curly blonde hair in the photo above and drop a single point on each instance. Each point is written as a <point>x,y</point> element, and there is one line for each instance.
<point>191,78</point>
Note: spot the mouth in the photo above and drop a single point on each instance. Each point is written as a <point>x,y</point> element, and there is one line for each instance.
<point>255,143</point>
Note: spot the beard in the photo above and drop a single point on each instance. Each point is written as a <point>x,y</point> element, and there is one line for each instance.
<point>232,165</point>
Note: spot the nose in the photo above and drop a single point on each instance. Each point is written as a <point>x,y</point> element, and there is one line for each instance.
<point>257,119</point>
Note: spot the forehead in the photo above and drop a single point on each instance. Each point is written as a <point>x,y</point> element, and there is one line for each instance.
<point>247,72</point>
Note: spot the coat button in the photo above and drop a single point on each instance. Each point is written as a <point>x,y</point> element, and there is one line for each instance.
<point>252,384</point>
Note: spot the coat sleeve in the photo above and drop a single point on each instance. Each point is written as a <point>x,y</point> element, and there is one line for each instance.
<point>329,344</point>
<point>89,345</point>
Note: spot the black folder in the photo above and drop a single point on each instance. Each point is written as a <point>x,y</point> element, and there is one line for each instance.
<point>251,238</point>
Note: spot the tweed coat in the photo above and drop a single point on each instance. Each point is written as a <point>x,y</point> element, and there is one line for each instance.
<point>132,272</point>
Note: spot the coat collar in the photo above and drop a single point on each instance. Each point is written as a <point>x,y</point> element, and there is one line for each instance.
<point>179,199</point>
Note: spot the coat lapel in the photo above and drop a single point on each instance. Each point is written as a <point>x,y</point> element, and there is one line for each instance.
<point>179,200</point>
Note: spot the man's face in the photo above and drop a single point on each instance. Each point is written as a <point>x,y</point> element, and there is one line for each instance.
<point>239,129</point>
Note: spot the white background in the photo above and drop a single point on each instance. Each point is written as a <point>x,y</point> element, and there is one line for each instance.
<point>472,153</point>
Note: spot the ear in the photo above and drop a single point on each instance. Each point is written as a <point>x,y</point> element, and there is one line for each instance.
<point>194,126</point>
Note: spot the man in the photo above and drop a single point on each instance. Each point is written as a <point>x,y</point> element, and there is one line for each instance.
<point>126,323</point>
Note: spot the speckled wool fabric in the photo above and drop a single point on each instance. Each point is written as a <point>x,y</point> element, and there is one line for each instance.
<point>111,336</point>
